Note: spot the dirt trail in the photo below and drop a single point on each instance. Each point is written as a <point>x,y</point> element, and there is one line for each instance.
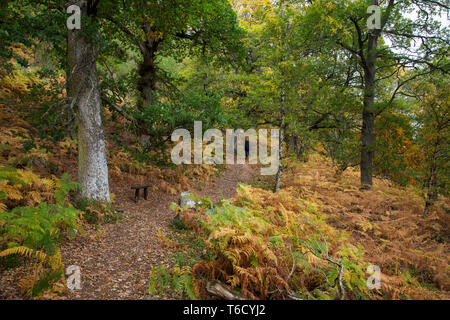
<point>116,261</point>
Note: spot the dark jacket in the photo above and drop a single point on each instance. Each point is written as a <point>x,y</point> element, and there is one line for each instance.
<point>247,148</point>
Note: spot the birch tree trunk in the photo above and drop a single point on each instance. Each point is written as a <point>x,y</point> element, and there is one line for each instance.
<point>283,114</point>
<point>280,164</point>
<point>92,164</point>
<point>280,146</point>
<point>431,190</point>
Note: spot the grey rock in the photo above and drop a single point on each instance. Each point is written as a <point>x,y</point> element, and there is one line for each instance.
<point>186,202</point>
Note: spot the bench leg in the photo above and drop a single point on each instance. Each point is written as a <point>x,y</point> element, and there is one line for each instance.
<point>145,193</point>
<point>136,196</point>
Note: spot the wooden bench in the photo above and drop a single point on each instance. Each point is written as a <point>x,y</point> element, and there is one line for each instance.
<point>138,189</point>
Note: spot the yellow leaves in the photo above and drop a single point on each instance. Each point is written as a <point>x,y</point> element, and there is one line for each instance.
<point>240,240</point>
<point>27,176</point>
<point>365,225</point>
<point>288,218</point>
<point>260,235</point>
<point>153,36</point>
<point>98,235</point>
<point>167,188</point>
<point>56,261</point>
<point>233,256</point>
<point>11,192</point>
<point>23,187</point>
<point>29,281</point>
<point>26,252</point>
<point>400,131</point>
<point>45,184</point>
<point>67,146</point>
<point>313,259</point>
<point>377,233</point>
<point>34,198</point>
<point>222,232</point>
<point>302,91</point>
<point>13,136</point>
<point>270,255</point>
<point>120,162</point>
<point>234,281</point>
<point>335,25</point>
<point>168,243</point>
<point>37,154</point>
<point>251,11</point>
<point>436,226</point>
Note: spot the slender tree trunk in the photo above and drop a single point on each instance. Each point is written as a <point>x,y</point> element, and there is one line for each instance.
<point>205,83</point>
<point>92,164</point>
<point>431,192</point>
<point>367,135</point>
<point>280,146</point>
<point>292,145</point>
<point>295,144</point>
<point>283,118</point>
<point>280,164</point>
<point>435,195</point>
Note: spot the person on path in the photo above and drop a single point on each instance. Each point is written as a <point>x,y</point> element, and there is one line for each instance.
<point>247,148</point>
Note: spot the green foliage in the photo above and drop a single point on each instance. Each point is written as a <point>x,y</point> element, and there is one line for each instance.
<point>197,249</point>
<point>178,113</point>
<point>34,231</point>
<point>395,146</point>
<point>202,202</point>
<point>307,69</point>
<point>178,224</point>
<point>10,262</point>
<point>27,22</point>
<point>41,226</point>
<point>46,282</point>
<point>433,136</point>
<point>254,240</point>
<point>177,279</point>
<point>97,212</point>
<point>38,227</point>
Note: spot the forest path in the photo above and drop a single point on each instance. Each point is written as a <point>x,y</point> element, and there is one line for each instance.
<point>116,261</point>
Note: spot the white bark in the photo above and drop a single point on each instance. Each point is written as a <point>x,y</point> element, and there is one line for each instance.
<point>92,164</point>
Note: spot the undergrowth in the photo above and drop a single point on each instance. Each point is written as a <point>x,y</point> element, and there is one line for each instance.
<point>411,251</point>
<point>33,231</point>
<point>273,246</point>
<point>97,212</point>
<point>315,239</point>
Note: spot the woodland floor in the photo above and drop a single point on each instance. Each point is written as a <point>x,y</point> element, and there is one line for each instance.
<point>116,260</point>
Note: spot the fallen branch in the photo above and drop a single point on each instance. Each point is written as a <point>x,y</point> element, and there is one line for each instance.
<point>292,296</point>
<point>339,266</point>
<point>220,290</point>
<point>293,264</point>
